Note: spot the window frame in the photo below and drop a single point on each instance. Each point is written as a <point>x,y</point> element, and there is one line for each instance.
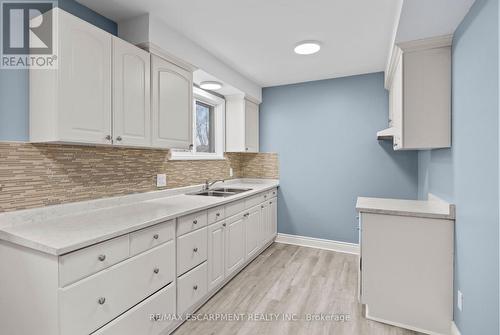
<point>219,110</point>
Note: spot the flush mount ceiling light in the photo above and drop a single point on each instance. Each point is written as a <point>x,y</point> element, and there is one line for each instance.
<point>307,47</point>
<point>211,85</point>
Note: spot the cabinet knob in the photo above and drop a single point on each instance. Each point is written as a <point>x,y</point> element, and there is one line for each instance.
<point>101,258</point>
<point>224,224</point>
<point>108,138</point>
<point>119,138</point>
<point>261,206</point>
<point>217,214</point>
<point>195,249</point>
<point>195,287</point>
<point>101,300</point>
<point>246,149</point>
<point>265,196</point>
<point>195,221</point>
<point>156,270</point>
<point>270,202</point>
<point>156,236</point>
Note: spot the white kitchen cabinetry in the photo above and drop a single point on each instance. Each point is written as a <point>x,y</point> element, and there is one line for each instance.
<point>172,103</point>
<point>73,103</point>
<point>242,125</point>
<point>419,84</point>
<point>235,243</point>
<point>406,263</point>
<point>254,230</point>
<point>131,95</point>
<point>216,254</point>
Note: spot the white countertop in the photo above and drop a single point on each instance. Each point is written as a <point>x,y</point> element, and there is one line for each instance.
<point>432,208</point>
<point>61,229</point>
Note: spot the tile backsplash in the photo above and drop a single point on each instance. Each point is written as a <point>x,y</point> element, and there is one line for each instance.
<point>35,175</point>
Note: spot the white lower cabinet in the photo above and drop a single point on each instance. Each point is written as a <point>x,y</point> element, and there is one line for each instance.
<point>150,317</point>
<point>92,302</point>
<point>253,228</point>
<point>191,288</point>
<point>216,253</point>
<point>191,250</point>
<point>235,241</point>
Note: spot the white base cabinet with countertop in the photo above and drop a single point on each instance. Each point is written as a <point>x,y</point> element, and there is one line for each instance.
<point>138,282</point>
<point>406,263</point>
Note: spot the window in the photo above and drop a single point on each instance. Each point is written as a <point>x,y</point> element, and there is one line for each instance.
<point>208,128</point>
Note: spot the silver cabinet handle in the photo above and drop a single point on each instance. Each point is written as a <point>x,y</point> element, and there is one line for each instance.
<point>119,138</point>
<point>101,258</point>
<point>224,224</point>
<point>195,287</point>
<point>261,206</point>
<point>218,214</point>
<point>156,270</point>
<point>195,249</point>
<point>270,202</point>
<point>195,221</point>
<point>108,138</point>
<point>265,196</point>
<point>101,300</point>
<point>156,236</point>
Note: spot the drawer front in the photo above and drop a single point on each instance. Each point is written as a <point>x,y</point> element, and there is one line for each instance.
<point>215,214</point>
<point>255,200</point>
<point>85,262</point>
<point>94,301</point>
<point>234,208</point>
<point>191,222</point>
<point>147,318</point>
<point>191,288</point>
<point>273,193</point>
<point>191,250</point>
<point>151,237</point>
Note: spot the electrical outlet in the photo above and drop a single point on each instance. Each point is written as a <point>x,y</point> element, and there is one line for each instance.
<point>230,172</point>
<point>161,180</point>
<point>460,300</point>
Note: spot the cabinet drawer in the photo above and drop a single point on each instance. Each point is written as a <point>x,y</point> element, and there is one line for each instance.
<point>273,193</point>
<point>215,214</point>
<point>191,250</point>
<point>92,302</point>
<point>150,237</point>
<point>255,200</point>
<point>191,222</point>
<point>141,318</point>
<point>234,208</point>
<point>85,262</point>
<point>191,288</point>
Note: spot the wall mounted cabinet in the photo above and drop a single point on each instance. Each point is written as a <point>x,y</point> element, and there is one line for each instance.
<point>242,125</point>
<point>172,102</point>
<point>101,93</point>
<point>419,84</point>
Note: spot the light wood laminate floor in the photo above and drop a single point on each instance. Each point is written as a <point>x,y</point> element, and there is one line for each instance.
<point>291,280</point>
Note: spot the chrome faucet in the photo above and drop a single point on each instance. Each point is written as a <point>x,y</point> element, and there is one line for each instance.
<point>209,184</point>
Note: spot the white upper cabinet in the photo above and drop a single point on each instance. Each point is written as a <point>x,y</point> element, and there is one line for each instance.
<point>131,95</point>
<point>73,103</point>
<point>419,84</point>
<point>242,125</point>
<point>172,103</point>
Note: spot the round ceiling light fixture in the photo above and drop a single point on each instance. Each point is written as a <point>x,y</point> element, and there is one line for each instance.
<point>211,85</point>
<point>307,47</point>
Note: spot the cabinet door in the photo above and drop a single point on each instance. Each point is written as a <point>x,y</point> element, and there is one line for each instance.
<point>253,230</point>
<point>273,213</point>
<point>265,223</point>
<point>216,251</point>
<point>84,82</point>
<point>251,127</point>
<point>131,95</point>
<point>235,244</point>
<point>172,103</point>
<point>396,104</point>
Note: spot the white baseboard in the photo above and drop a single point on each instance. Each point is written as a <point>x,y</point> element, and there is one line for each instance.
<point>454,329</point>
<point>318,243</point>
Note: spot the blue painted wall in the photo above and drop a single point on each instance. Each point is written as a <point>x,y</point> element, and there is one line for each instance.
<point>468,173</point>
<point>324,133</point>
<point>14,86</point>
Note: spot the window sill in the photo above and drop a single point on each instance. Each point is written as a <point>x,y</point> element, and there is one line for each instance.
<point>196,158</point>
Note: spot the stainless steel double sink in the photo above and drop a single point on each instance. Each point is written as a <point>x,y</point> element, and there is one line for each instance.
<point>221,192</point>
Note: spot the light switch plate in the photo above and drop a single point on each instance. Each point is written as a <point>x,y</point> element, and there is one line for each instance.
<point>161,180</point>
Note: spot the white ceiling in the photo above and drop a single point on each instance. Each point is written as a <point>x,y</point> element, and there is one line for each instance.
<point>427,18</point>
<point>256,37</point>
